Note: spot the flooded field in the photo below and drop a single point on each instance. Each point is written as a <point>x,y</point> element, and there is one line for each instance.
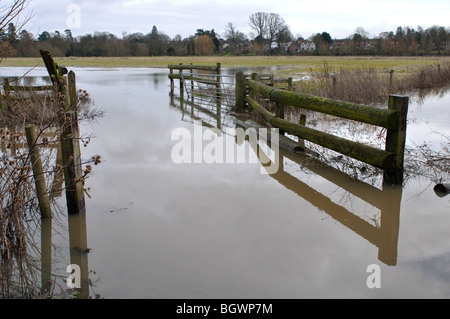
<point>158,229</point>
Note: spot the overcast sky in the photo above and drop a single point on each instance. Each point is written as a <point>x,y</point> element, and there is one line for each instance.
<point>340,18</point>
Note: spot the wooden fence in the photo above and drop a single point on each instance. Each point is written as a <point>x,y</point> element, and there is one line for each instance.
<point>393,119</point>
<point>382,232</point>
<point>65,83</point>
<point>191,76</point>
<point>64,88</point>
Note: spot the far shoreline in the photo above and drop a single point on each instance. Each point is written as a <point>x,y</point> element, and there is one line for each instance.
<point>308,63</point>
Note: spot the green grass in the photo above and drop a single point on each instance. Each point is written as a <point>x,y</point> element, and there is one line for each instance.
<point>293,64</point>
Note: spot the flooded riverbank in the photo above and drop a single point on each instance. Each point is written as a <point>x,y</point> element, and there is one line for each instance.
<point>157,229</point>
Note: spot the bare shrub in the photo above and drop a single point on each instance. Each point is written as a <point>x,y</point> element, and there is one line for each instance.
<point>371,86</point>
<point>18,199</point>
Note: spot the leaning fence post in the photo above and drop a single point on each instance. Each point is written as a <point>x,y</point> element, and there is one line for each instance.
<point>396,139</point>
<point>38,173</point>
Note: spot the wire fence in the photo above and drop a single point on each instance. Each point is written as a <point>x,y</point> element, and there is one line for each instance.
<point>210,89</point>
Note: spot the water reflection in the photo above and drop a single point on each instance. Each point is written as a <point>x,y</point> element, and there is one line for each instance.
<point>224,231</point>
<point>79,251</point>
<point>384,234</point>
<point>29,272</point>
<point>160,230</point>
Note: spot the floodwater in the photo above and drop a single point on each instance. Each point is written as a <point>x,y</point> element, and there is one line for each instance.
<point>158,229</point>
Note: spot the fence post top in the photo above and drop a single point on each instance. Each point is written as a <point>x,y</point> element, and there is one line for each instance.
<point>399,96</point>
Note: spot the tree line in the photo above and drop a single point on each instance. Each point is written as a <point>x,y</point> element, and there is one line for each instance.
<point>270,35</point>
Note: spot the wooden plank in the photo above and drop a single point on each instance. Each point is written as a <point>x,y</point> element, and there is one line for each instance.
<point>370,155</point>
<point>388,118</point>
<point>193,67</point>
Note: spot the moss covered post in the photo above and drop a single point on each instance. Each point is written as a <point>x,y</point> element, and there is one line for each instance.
<point>38,173</point>
<point>396,139</point>
<point>69,138</point>
<point>218,79</point>
<point>240,91</point>
<point>181,82</point>
<point>172,85</point>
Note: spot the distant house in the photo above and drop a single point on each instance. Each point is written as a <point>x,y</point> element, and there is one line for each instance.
<point>366,45</point>
<point>302,46</point>
<point>445,45</point>
<point>336,44</point>
<point>284,46</point>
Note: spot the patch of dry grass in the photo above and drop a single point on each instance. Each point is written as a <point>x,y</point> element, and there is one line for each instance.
<point>367,85</point>
<point>19,215</point>
<point>286,64</point>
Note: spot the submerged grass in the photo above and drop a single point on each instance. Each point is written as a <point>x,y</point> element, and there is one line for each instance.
<point>292,64</point>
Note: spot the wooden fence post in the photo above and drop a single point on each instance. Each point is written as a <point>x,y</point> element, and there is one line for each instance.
<point>218,79</point>
<point>290,84</point>
<point>192,72</point>
<point>181,82</point>
<point>240,90</point>
<point>396,139</point>
<point>2,103</point>
<point>72,89</point>
<point>46,255</point>
<point>6,86</point>
<point>251,93</point>
<point>391,78</point>
<point>38,173</point>
<point>7,89</point>
<point>172,85</point>
<point>71,158</point>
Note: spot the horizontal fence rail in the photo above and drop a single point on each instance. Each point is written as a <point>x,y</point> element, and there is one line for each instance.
<point>387,118</point>
<point>373,156</point>
<point>393,119</point>
<point>206,83</point>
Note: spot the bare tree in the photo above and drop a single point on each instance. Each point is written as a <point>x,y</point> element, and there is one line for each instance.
<point>234,37</point>
<point>259,23</point>
<point>275,26</point>
<point>268,26</point>
<point>12,20</point>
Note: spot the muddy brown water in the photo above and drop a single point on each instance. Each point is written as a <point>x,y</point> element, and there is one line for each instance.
<point>157,229</point>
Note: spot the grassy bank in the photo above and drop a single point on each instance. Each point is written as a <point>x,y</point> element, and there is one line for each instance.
<point>368,85</point>
<point>294,64</point>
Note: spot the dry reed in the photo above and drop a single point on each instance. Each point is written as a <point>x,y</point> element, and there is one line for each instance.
<point>370,86</point>
<point>18,199</point>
